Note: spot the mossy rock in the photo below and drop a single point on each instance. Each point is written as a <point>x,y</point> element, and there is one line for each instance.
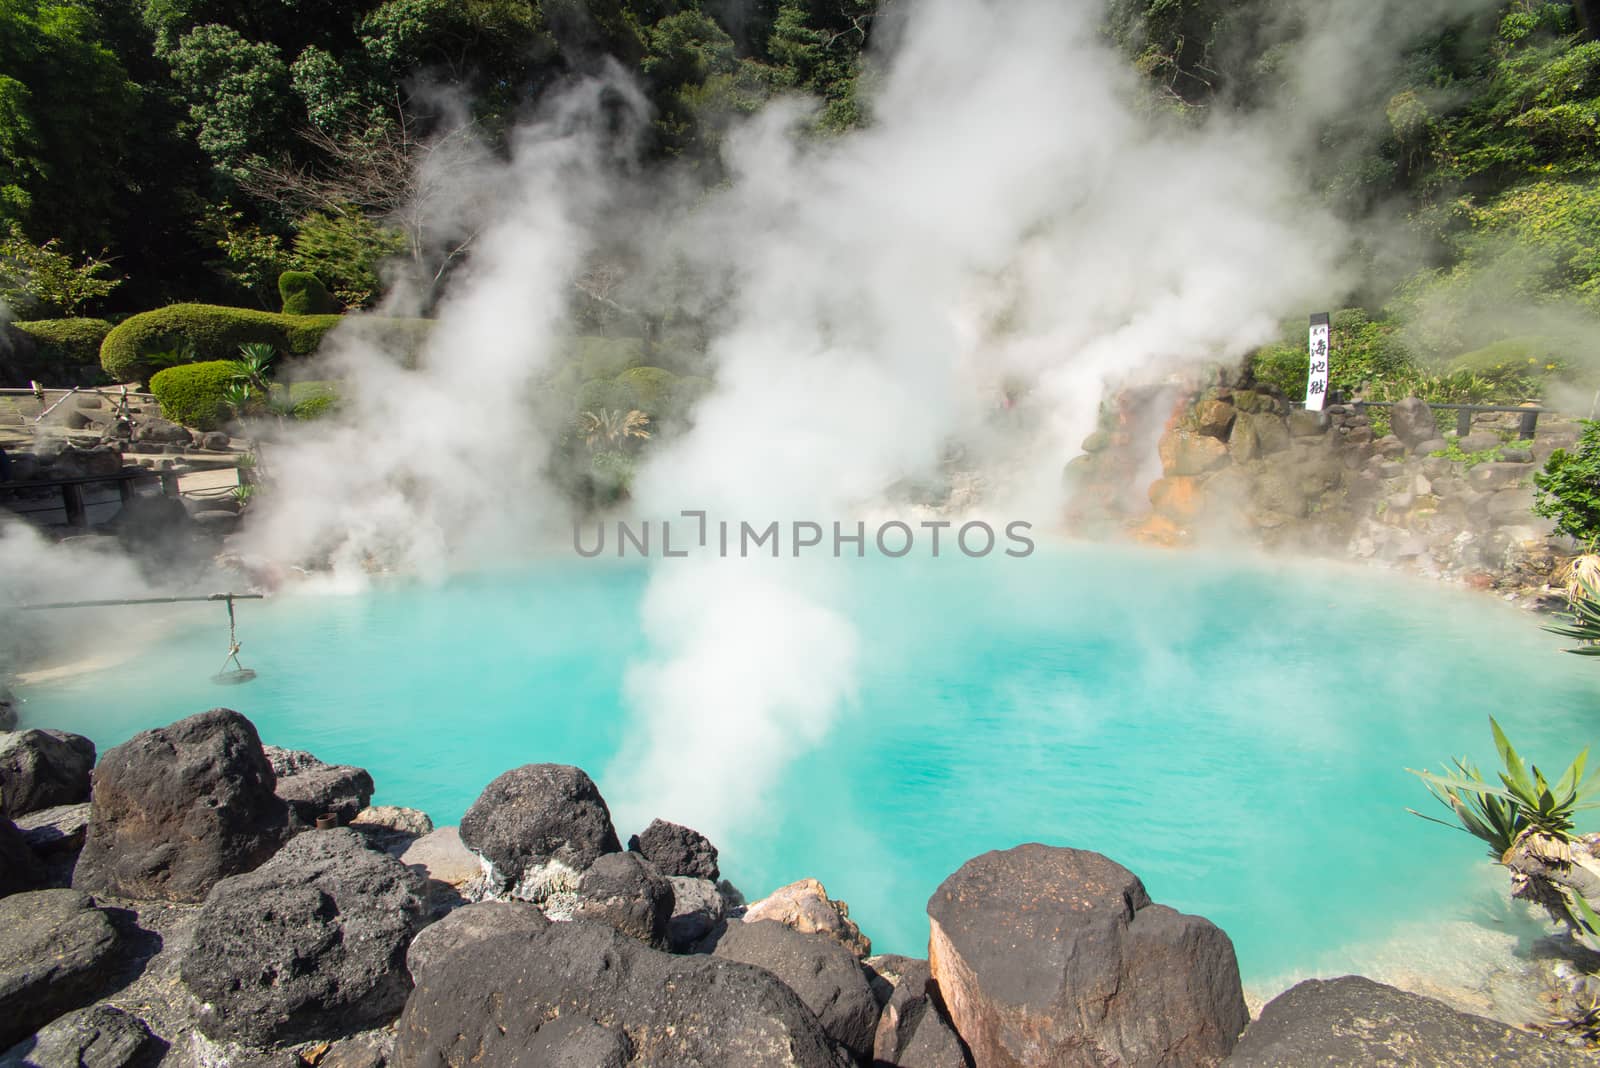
<point>54,352</point>
<point>304,294</point>
<point>192,394</point>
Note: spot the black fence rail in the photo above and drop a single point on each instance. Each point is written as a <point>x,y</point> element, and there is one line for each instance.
<point>1526,428</point>
<point>71,491</point>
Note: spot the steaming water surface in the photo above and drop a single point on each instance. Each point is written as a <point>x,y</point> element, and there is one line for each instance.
<point>1234,734</point>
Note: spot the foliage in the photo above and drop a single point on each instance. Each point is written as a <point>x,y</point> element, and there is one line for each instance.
<point>611,428</point>
<point>1363,350</point>
<point>237,89</point>
<point>1585,622</point>
<point>252,258</point>
<point>35,278</point>
<point>195,394</point>
<point>304,294</point>
<point>1568,489</point>
<point>606,357</point>
<point>66,347</point>
<point>1524,802</point>
<point>66,115</point>
<point>214,333</point>
<point>348,250</point>
<point>1452,452</point>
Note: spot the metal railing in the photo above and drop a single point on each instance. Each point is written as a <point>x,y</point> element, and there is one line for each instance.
<point>1526,428</point>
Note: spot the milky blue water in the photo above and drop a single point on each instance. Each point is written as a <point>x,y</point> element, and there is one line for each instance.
<point>1234,733</point>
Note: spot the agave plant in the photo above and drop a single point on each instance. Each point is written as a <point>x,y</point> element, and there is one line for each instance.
<point>1524,805</point>
<point>1583,596</point>
<point>254,364</point>
<point>239,395</point>
<point>612,428</point>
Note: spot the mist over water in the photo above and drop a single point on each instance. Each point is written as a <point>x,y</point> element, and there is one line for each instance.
<point>1014,217</point>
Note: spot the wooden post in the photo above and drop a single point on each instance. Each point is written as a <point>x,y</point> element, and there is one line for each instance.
<point>1463,422</point>
<point>72,498</point>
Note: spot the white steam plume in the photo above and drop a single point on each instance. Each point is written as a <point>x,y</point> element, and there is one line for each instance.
<point>1012,213</point>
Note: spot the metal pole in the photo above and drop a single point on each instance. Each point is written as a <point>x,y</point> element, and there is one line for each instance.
<point>1463,422</point>
<point>229,597</point>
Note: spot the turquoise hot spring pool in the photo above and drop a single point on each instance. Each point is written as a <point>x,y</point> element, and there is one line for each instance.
<point>1233,732</point>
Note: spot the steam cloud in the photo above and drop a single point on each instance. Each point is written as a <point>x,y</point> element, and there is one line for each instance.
<point>1014,213</point>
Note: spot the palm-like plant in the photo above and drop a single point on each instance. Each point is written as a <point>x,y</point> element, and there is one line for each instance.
<point>254,364</point>
<point>612,428</point>
<point>1524,806</point>
<point>1583,595</point>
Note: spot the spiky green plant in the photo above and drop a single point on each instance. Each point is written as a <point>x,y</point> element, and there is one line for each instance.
<point>1525,803</point>
<point>1584,600</point>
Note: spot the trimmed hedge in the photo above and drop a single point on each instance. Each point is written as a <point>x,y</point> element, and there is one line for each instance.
<point>606,357</point>
<point>55,352</point>
<point>215,333</point>
<point>304,294</point>
<point>192,394</point>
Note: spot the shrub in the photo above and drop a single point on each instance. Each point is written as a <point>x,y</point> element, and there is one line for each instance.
<point>214,333</point>
<point>607,357</point>
<point>605,394</point>
<point>58,351</point>
<point>1363,350</point>
<point>1568,489</point>
<point>652,388</point>
<point>304,294</point>
<point>193,394</point>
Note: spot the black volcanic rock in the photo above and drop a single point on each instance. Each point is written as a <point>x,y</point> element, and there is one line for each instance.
<point>57,953</point>
<point>538,814</point>
<point>677,850</point>
<point>42,769</point>
<point>488,1004</point>
<point>827,976</point>
<point>179,808</point>
<point>20,867</point>
<point>100,1036</point>
<point>1353,1020</point>
<point>310,945</point>
<point>312,787</point>
<point>625,891</point>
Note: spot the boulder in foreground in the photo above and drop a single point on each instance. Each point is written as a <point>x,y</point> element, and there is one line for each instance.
<point>537,824</point>
<point>57,953</point>
<point>581,993</point>
<point>827,976</point>
<point>1052,956</point>
<point>42,769</point>
<point>178,809</point>
<point>310,945</point>
<point>1356,1021</point>
<point>677,850</point>
<point>100,1036</point>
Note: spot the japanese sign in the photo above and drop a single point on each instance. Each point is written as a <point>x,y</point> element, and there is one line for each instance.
<point>1317,380</point>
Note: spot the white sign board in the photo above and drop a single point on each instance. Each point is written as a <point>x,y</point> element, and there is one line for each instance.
<point>1317,380</point>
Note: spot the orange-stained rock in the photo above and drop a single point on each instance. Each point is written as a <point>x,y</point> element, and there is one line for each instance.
<point>1185,452</point>
<point>1180,497</point>
<point>1048,957</point>
<point>1214,418</point>
<point>807,908</point>
<point>1158,530</point>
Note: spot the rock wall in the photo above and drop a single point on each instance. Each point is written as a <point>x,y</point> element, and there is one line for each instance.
<point>1238,463</point>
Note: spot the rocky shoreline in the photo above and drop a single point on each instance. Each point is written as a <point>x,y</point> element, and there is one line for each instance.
<point>196,898</point>
<point>1236,463</point>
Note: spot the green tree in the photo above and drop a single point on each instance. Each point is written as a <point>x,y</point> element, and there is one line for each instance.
<point>347,251</point>
<point>42,281</point>
<point>236,90</point>
<point>65,108</point>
